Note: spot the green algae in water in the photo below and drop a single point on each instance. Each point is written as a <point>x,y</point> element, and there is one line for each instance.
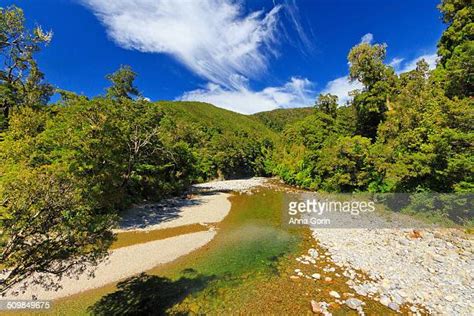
<point>249,239</point>
<point>248,247</point>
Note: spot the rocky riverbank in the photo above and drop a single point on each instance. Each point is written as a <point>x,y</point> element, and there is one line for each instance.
<point>208,204</point>
<point>429,268</point>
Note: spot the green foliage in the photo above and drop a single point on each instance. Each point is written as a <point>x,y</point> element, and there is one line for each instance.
<point>47,226</point>
<point>225,144</point>
<point>419,124</point>
<point>327,103</point>
<point>77,164</point>
<point>379,80</point>
<point>278,119</point>
<point>426,139</point>
<point>456,47</point>
<point>21,81</point>
<point>122,84</point>
<point>345,166</point>
<point>299,159</point>
<point>366,64</point>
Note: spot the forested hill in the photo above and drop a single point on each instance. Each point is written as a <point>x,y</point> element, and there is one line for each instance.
<point>278,119</point>
<point>210,117</point>
<point>66,168</point>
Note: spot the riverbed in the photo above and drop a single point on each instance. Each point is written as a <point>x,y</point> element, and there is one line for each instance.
<point>252,264</point>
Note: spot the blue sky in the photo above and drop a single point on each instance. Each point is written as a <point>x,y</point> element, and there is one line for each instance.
<point>247,56</point>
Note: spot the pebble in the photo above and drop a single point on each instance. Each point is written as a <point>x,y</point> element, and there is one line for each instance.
<point>334,294</point>
<point>316,307</point>
<point>353,303</point>
<point>394,306</point>
<point>243,185</point>
<point>384,300</point>
<point>316,276</point>
<point>434,271</point>
<point>313,253</point>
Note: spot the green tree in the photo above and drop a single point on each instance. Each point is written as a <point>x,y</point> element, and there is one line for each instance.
<point>344,166</point>
<point>456,47</point>
<point>21,81</point>
<point>426,141</point>
<point>122,84</point>
<point>379,80</point>
<point>327,103</point>
<point>48,230</point>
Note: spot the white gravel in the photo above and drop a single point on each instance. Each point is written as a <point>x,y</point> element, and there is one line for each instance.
<point>435,271</point>
<point>125,262</point>
<point>243,185</point>
<point>211,205</point>
<point>200,209</point>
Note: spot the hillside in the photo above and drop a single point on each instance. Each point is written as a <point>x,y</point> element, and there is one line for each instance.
<point>210,117</point>
<point>226,144</point>
<point>279,118</point>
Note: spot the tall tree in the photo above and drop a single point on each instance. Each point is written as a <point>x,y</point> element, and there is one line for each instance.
<point>327,103</point>
<point>456,47</point>
<point>379,80</point>
<point>122,84</point>
<point>21,81</point>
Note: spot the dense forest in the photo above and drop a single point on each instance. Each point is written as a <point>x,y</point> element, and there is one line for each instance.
<point>69,167</point>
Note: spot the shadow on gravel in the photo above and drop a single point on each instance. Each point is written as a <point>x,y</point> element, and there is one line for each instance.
<point>148,295</point>
<point>155,213</point>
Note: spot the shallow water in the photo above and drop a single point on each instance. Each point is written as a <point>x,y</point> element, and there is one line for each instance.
<point>245,268</point>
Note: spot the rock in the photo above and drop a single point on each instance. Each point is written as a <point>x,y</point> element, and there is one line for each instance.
<point>297,270</point>
<point>316,276</point>
<point>353,303</point>
<point>327,279</point>
<point>415,234</point>
<point>313,253</point>
<point>316,307</point>
<point>334,294</point>
<point>404,242</point>
<point>436,261</point>
<point>384,300</point>
<point>402,293</point>
<point>394,306</point>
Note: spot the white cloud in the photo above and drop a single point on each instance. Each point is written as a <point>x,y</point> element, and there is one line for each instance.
<point>396,62</point>
<point>292,12</point>
<point>367,38</point>
<point>295,93</point>
<point>410,65</point>
<point>213,38</point>
<point>341,88</point>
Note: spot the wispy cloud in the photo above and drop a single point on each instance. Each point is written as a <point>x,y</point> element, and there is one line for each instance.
<point>411,64</point>
<point>297,92</point>
<point>213,38</point>
<point>291,10</point>
<point>367,38</point>
<point>396,62</point>
<point>341,87</point>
